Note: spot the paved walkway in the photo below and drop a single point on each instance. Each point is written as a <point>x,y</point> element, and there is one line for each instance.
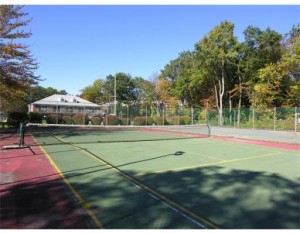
<point>265,135</point>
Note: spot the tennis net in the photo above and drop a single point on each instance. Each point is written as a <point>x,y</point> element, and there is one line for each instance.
<point>111,134</point>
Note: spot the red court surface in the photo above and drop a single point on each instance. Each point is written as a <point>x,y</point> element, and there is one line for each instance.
<point>271,144</point>
<point>32,193</point>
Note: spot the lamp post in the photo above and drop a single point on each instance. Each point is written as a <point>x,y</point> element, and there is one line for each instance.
<point>115,96</point>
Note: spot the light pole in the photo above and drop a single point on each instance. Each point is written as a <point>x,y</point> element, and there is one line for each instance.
<point>115,96</point>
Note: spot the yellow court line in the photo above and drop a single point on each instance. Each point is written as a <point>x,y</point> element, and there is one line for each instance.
<point>149,189</point>
<point>143,186</point>
<point>209,164</point>
<point>81,201</point>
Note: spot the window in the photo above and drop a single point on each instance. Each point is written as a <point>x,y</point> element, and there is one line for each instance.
<point>69,109</point>
<point>44,108</point>
<point>80,109</point>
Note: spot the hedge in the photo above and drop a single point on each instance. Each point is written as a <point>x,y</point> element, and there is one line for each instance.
<point>80,119</point>
<point>141,120</point>
<point>111,120</point>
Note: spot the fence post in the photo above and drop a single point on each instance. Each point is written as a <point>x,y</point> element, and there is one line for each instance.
<point>163,111</point>
<point>56,120</point>
<point>127,114</point>
<point>274,119</point>
<point>192,114</point>
<point>253,117</point>
<point>234,118</point>
<point>296,119</point>
<point>146,115</point>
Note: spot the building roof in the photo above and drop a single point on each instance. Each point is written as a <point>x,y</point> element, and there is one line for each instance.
<point>65,100</point>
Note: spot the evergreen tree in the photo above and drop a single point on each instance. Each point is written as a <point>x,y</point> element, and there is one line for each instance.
<point>17,65</point>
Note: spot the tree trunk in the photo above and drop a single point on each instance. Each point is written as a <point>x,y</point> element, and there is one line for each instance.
<point>240,102</point>
<point>217,101</point>
<point>221,94</point>
<point>192,113</point>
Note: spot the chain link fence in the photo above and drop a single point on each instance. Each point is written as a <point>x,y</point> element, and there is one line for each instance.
<point>277,118</point>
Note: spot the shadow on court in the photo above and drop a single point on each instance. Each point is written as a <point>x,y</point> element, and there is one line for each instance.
<point>234,199</point>
<point>39,205</point>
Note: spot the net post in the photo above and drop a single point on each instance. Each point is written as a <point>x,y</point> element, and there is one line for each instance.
<point>209,129</point>
<point>21,134</point>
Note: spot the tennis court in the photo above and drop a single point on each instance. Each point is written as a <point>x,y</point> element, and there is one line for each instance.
<point>174,177</point>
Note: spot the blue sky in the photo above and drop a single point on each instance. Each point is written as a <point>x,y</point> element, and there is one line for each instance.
<point>77,44</point>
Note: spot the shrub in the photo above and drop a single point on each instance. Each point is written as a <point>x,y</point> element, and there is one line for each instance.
<point>111,120</point>
<point>181,120</point>
<point>96,120</point>
<point>67,119</point>
<point>141,120</point>
<point>52,118</point>
<point>185,120</point>
<point>35,117</point>
<point>124,121</point>
<point>160,121</point>
<point>15,118</point>
<point>80,119</point>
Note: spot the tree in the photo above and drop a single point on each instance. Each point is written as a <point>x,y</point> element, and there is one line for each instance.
<point>17,65</point>
<point>262,48</point>
<point>179,72</point>
<point>216,53</point>
<point>125,87</point>
<point>94,93</point>
<point>144,89</point>
<point>279,82</point>
<point>38,92</point>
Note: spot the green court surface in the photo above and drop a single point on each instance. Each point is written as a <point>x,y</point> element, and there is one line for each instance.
<point>176,183</point>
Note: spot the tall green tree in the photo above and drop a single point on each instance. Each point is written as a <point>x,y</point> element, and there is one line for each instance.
<point>144,90</point>
<point>17,65</point>
<point>179,72</point>
<point>216,52</point>
<point>279,81</point>
<point>262,48</point>
<point>291,61</point>
<point>38,92</point>
<point>94,93</point>
<point>125,87</point>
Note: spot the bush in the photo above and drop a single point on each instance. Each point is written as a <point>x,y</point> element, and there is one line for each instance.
<point>35,117</point>
<point>67,119</point>
<point>141,120</point>
<point>80,119</point>
<point>185,120</point>
<point>181,120</point>
<point>124,121</point>
<point>51,119</point>
<point>96,120</point>
<point>15,118</point>
<point>111,120</point>
<point>160,121</point>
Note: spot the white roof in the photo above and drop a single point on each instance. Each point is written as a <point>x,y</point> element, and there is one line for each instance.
<point>65,100</point>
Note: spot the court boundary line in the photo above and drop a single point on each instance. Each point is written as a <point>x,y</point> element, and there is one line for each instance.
<point>82,203</point>
<point>150,191</point>
<point>208,164</point>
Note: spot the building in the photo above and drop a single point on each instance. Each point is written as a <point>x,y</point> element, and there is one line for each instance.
<point>64,104</point>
